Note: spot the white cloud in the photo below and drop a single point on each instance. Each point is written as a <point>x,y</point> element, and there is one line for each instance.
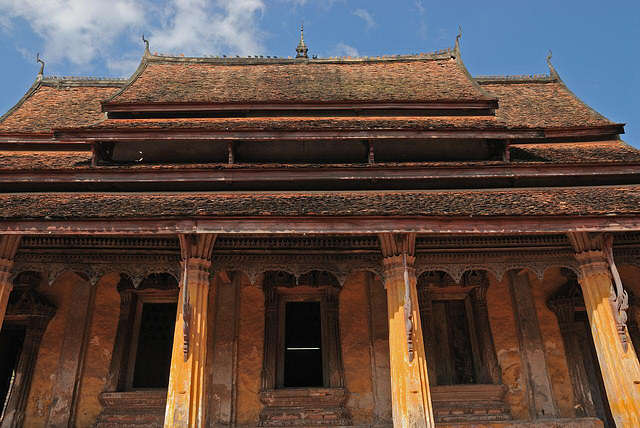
<point>344,49</point>
<point>80,31</point>
<point>195,27</point>
<point>419,6</point>
<point>366,17</point>
<point>75,30</point>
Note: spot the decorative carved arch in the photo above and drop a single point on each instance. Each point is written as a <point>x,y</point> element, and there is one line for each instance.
<point>255,265</point>
<point>497,263</point>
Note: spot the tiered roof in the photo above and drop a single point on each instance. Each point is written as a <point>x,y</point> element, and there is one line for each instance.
<point>428,98</point>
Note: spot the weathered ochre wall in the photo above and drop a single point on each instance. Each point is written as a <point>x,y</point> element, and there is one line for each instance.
<point>39,401</point>
<point>250,347</point>
<point>355,340</point>
<point>630,278</point>
<point>505,336</point>
<point>102,333</point>
<point>552,340</point>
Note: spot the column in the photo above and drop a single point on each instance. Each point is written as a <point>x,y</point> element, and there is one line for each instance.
<point>17,404</point>
<point>117,376</point>
<point>618,361</point>
<point>570,331</point>
<point>8,248</point>
<point>224,354</point>
<point>424,302</point>
<point>489,357</point>
<point>539,390</point>
<point>410,396</point>
<point>186,394</point>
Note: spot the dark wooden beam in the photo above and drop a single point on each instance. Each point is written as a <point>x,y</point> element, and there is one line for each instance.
<point>124,174</point>
<point>323,225</point>
<point>125,135</point>
<point>376,105</point>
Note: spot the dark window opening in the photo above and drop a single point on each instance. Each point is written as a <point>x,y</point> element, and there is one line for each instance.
<point>454,352</point>
<point>11,341</point>
<point>303,345</point>
<point>155,342</point>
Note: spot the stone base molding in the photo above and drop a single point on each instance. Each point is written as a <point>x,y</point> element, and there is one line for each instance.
<point>133,409</point>
<point>304,407</point>
<point>469,403</point>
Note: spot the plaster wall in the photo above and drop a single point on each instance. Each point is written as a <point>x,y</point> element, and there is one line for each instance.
<point>40,395</point>
<point>250,349</point>
<point>355,340</point>
<point>630,278</point>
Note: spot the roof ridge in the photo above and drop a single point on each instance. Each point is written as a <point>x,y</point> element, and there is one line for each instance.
<point>266,59</point>
<point>92,78</point>
<point>508,78</point>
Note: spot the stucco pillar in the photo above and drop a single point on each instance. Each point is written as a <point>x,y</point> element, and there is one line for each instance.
<point>186,394</point>
<point>8,248</point>
<point>618,361</point>
<point>570,331</point>
<point>410,396</point>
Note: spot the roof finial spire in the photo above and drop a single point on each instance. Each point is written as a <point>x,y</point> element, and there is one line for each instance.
<point>146,45</point>
<point>458,37</point>
<point>41,72</point>
<point>301,50</point>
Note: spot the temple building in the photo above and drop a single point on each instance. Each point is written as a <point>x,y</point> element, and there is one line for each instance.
<point>298,242</point>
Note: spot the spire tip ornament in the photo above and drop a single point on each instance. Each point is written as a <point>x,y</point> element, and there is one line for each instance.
<point>301,50</point>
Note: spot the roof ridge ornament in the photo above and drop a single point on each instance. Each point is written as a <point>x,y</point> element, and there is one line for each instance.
<point>41,72</point>
<point>552,71</point>
<point>458,38</point>
<point>146,45</point>
<point>301,50</point>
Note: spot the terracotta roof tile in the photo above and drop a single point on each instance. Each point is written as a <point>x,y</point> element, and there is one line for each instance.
<point>55,103</point>
<point>541,104</point>
<point>582,201</point>
<point>591,152</point>
<point>11,160</point>
<point>194,81</point>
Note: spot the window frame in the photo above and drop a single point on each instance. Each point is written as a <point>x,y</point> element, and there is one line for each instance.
<point>142,297</point>
<point>307,295</point>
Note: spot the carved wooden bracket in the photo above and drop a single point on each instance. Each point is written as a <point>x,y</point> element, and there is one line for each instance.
<point>619,300</point>
<point>589,250</point>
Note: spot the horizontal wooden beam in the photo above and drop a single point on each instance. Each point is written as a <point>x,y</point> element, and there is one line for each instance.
<point>140,174</point>
<point>323,225</point>
<point>160,134</point>
<point>426,105</point>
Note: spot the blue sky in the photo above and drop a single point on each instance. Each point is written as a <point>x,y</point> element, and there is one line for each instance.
<point>596,44</point>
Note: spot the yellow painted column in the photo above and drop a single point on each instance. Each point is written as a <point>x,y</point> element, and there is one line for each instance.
<point>187,386</point>
<point>8,248</point>
<point>619,366</point>
<point>411,400</point>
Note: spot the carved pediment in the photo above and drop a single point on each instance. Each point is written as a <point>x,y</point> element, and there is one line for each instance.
<point>28,303</point>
